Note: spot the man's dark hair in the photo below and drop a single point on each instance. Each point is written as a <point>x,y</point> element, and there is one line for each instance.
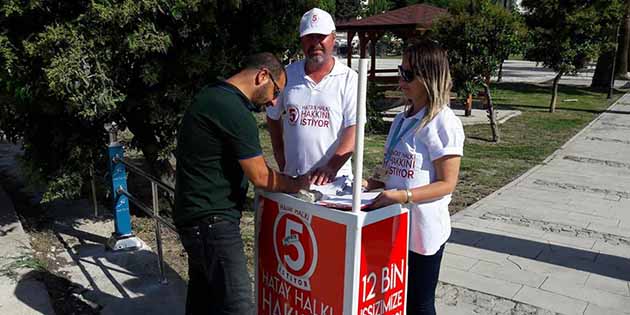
<point>265,60</point>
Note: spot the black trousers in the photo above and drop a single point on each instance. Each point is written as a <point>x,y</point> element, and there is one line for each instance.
<point>217,269</point>
<point>422,281</point>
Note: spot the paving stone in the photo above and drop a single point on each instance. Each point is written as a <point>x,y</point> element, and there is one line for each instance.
<point>512,245</point>
<point>460,262</point>
<point>612,266</point>
<point>27,297</point>
<point>595,296</point>
<point>597,176</point>
<point>452,298</point>
<point>459,309</point>
<point>568,257</point>
<point>515,231</point>
<point>564,240</point>
<point>621,231</point>
<point>476,282</point>
<point>476,253</point>
<point>508,272</point>
<point>488,225</point>
<point>551,301</point>
<point>557,271</point>
<point>608,284</point>
<point>589,165</point>
<point>593,309</point>
<point>602,149</point>
<point>612,249</point>
<point>464,234</point>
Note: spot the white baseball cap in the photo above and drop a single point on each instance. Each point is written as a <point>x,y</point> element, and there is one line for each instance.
<point>316,21</point>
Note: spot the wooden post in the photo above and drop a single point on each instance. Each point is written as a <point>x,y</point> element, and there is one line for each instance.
<point>363,41</point>
<point>468,105</point>
<point>372,56</point>
<point>349,54</point>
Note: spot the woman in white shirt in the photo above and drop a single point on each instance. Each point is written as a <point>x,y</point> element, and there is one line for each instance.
<point>421,166</point>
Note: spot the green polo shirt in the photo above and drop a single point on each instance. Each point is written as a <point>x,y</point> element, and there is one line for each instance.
<point>216,132</point>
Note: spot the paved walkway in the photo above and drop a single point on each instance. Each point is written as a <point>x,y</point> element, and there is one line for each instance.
<point>20,293</point>
<point>555,240</point>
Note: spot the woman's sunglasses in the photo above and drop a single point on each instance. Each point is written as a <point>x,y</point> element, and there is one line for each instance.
<point>406,75</point>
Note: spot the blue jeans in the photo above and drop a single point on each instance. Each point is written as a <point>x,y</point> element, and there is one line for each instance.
<point>422,281</point>
<point>217,269</point>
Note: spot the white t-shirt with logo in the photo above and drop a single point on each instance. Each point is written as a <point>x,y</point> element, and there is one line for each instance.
<point>315,116</point>
<point>410,165</point>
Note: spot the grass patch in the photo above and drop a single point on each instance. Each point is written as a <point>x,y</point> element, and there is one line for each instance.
<point>12,268</point>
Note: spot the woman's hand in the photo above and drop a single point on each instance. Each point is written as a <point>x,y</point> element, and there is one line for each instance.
<point>371,184</point>
<point>388,197</point>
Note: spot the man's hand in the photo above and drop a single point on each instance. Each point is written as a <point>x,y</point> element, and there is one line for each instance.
<point>323,175</point>
<point>300,182</point>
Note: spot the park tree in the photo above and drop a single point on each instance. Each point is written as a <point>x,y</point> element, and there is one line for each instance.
<point>623,55</point>
<point>566,35</point>
<point>374,7</point>
<point>347,9</point>
<point>478,38</point>
<point>329,6</point>
<point>617,42</point>
<point>69,67</point>
<point>397,4</point>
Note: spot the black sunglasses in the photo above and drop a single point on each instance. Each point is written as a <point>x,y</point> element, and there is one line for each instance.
<point>406,75</point>
<point>276,88</point>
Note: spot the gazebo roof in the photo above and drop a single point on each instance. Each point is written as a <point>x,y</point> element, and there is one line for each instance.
<point>418,16</point>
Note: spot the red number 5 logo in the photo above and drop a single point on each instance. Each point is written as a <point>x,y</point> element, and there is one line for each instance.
<point>294,114</point>
<point>295,246</point>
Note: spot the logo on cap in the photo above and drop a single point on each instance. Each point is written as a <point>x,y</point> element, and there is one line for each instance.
<point>314,18</point>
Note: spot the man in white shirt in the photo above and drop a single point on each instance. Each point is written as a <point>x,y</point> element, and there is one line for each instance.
<point>316,133</point>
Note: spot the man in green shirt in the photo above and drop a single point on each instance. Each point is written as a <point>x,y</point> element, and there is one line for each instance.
<point>218,150</point>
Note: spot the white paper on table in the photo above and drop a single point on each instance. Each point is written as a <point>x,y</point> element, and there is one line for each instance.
<point>345,201</point>
<point>331,189</point>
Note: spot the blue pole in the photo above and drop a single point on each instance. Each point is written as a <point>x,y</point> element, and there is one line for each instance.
<point>122,219</point>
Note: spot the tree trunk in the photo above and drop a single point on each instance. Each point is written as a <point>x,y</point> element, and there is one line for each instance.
<point>621,69</point>
<point>494,126</point>
<point>500,75</point>
<point>603,70</point>
<point>468,105</point>
<point>554,94</point>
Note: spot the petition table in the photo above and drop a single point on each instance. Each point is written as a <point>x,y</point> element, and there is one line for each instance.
<point>311,259</point>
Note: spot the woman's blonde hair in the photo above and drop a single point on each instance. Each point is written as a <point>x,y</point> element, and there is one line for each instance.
<point>429,63</point>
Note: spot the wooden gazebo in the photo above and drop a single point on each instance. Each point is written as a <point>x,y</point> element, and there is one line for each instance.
<point>405,23</point>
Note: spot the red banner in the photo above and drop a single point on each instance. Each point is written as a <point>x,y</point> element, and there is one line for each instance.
<point>300,262</point>
<point>383,280</point>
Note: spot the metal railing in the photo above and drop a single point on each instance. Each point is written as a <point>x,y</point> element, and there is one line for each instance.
<point>153,212</point>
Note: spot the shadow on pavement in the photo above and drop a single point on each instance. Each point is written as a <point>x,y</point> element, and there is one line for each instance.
<point>578,259</point>
<point>111,282</point>
<point>121,282</point>
<point>64,295</point>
